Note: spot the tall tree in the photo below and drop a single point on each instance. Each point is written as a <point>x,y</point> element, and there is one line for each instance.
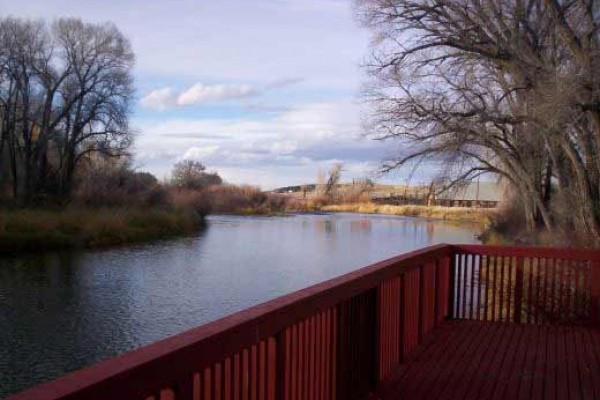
<point>65,91</point>
<point>505,87</point>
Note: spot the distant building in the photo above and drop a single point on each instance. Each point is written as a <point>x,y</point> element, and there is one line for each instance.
<point>414,195</point>
<point>474,194</point>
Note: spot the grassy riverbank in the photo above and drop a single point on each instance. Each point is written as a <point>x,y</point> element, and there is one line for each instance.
<point>85,228</point>
<point>457,214</point>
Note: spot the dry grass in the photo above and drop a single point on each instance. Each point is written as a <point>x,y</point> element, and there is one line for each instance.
<point>459,214</point>
<point>48,229</point>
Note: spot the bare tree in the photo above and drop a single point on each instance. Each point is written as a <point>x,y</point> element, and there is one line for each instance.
<point>65,91</point>
<point>190,174</point>
<point>97,94</point>
<point>504,87</point>
<point>335,174</point>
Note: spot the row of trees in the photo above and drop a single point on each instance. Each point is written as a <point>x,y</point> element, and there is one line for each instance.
<point>65,96</point>
<point>509,87</point>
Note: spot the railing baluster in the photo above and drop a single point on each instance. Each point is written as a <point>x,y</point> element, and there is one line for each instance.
<point>452,282</point>
<point>471,261</point>
<point>479,259</point>
<point>501,312</point>
<point>536,301</point>
<point>569,289</point>
<point>518,290</point>
<point>595,294</point>
<point>529,311</point>
<point>494,281</point>
<point>464,285</point>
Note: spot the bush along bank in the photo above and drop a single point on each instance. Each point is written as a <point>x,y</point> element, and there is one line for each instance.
<point>34,230</point>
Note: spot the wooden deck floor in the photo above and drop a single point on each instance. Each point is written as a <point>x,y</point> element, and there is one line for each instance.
<point>474,360</point>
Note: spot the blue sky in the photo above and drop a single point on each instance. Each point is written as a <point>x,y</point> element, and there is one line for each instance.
<point>265,92</point>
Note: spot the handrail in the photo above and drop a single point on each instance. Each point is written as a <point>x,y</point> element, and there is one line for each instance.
<point>340,338</point>
<point>535,252</point>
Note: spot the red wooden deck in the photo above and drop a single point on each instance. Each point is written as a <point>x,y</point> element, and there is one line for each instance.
<point>454,322</point>
<point>492,360</point>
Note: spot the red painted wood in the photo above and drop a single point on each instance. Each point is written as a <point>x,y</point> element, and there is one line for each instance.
<point>494,288</point>
<point>498,364</point>
<point>442,290</point>
<point>539,368</point>
<point>503,277</point>
<point>413,381</point>
<point>479,302</point>
<point>590,359</point>
<point>468,364</point>
<point>595,294</point>
<point>472,304</point>
<point>489,362</point>
<point>389,326</point>
<point>465,289</point>
<point>518,289</point>
<point>501,361</point>
<point>411,310</point>
<point>507,251</point>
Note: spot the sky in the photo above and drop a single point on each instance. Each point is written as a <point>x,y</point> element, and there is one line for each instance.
<point>265,92</point>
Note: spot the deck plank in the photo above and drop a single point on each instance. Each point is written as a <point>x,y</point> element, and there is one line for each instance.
<point>491,366</point>
<point>488,360</point>
<point>447,372</point>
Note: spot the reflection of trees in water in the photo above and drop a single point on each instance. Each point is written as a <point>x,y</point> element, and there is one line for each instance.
<point>419,231</point>
<point>430,230</point>
<point>43,269</point>
<point>363,225</point>
<point>326,226</point>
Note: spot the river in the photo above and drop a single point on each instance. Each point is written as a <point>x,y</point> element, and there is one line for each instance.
<point>62,311</point>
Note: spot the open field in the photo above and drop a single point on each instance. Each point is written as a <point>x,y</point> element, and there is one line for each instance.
<point>84,228</point>
<point>459,214</point>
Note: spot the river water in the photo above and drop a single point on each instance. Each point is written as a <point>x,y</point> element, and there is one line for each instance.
<point>62,311</point>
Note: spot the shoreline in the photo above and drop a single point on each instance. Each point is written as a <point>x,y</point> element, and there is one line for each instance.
<point>81,228</point>
<point>478,216</point>
<point>40,230</point>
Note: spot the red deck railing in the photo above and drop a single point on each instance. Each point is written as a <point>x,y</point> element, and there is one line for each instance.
<point>340,338</point>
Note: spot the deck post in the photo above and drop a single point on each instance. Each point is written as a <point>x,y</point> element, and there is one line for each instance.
<point>436,292</point>
<point>518,291</point>
<point>450,261</point>
<point>595,294</point>
<point>421,312</point>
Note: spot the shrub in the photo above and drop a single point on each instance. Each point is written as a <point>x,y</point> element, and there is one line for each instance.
<point>118,187</point>
<point>185,199</point>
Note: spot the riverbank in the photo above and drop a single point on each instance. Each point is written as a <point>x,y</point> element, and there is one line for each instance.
<point>480,216</point>
<point>25,230</point>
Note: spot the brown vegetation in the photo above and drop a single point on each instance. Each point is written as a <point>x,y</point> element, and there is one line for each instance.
<point>80,227</point>
<point>480,216</point>
<point>245,199</point>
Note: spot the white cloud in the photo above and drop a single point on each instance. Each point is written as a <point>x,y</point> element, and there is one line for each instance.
<point>199,153</point>
<point>274,150</point>
<point>165,98</point>
<point>160,99</point>
<point>200,93</point>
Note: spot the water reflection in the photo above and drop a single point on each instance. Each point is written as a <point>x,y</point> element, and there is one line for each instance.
<point>62,311</point>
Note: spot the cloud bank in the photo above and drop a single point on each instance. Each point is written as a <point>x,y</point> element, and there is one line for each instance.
<point>199,93</point>
<point>275,150</point>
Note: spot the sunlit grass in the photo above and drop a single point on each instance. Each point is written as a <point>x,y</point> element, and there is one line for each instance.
<point>460,214</point>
